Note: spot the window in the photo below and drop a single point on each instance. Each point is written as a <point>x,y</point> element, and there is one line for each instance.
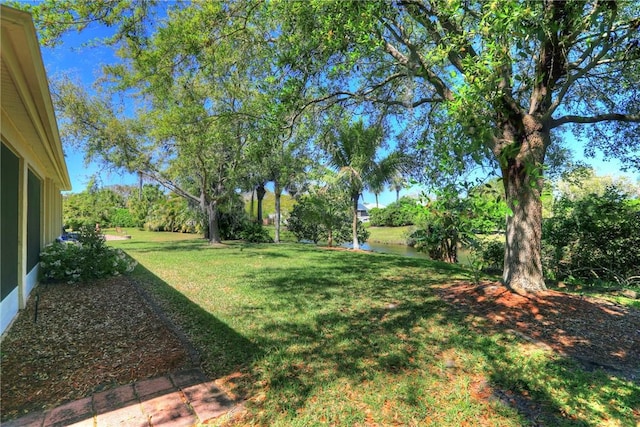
<point>33,220</point>
<point>9,176</point>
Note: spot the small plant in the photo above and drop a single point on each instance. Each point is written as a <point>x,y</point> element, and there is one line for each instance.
<point>88,258</point>
<point>492,255</point>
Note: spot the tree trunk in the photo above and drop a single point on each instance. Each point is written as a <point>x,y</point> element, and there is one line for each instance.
<point>522,178</point>
<point>260,192</point>
<point>451,250</point>
<point>277,194</point>
<point>214,226</point>
<point>354,225</point>
<point>252,204</point>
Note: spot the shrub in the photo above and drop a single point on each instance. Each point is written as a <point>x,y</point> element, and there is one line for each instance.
<point>254,232</point>
<point>88,258</point>
<point>317,217</point>
<point>438,241</point>
<point>121,217</point>
<point>492,255</point>
<point>397,214</point>
<point>596,238</point>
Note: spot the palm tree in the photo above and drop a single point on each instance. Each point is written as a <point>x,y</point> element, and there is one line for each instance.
<point>354,153</point>
<point>397,183</point>
<point>376,188</point>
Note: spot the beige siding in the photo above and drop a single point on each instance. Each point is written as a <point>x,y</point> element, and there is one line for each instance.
<point>29,129</point>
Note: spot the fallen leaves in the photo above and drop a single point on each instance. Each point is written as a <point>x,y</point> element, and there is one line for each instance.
<point>595,332</point>
<point>87,338</point>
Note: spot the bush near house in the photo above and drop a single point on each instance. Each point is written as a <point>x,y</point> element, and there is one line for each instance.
<point>88,258</point>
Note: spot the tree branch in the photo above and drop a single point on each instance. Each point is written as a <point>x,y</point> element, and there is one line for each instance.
<point>439,85</point>
<point>610,117</point>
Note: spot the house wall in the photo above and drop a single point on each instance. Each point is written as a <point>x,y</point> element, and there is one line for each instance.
<point>30,218</point>
<point>33,168</point>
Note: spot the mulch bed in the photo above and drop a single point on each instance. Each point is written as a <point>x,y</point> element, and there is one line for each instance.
<point>597,333</point>
<point>87,338</point>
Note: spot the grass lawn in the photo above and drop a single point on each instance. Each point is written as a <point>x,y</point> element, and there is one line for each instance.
<point>390,235</point>
<point>326,337</point>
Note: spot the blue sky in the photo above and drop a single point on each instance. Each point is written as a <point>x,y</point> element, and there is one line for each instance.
<point>84,63</point>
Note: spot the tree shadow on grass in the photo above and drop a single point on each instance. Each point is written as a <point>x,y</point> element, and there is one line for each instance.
<point>212,338</point>
<point>201,245</point>
<point>376,324</point>
<point>595,332</point>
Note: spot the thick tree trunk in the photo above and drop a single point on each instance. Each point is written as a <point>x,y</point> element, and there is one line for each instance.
<point>522,177</point>
<point>277,194</point>
<point>214,226</point>
<point>354,225</point>
<point>260,192</point>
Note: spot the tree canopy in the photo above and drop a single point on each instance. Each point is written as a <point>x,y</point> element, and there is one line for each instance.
<point>495,83</point>
<point>482,82</point>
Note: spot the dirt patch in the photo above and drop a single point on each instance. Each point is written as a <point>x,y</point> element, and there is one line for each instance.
<point>597,333</point>
<point>87,338</point>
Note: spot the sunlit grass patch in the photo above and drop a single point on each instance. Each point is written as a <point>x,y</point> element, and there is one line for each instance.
<point>326,337</point>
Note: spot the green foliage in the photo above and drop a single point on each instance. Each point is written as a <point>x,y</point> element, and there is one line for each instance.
<point>596,238</point>
<point>446,221</point>
<point>174,213</point>
<point>397,214</point>
<point>582,181</point>
<point>87,259</point>
<point>90,207</point>
<point>141,206</point>
<point>492,255</point>
<point>254,232</point>
<point>121,217</point>
<point>232,218</point>
<point>321,217</point>
<point>488,207</point>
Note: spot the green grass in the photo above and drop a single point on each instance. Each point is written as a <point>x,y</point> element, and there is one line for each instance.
<point>390,235</point>
<point>322,337</point>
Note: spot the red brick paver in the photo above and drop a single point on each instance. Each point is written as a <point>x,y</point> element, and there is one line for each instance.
<point>77,412</point>
<point>121,396</point>
<point>180,399</point>
<point>169,410</point>
<point>128,416</point>
<point>207,400</point>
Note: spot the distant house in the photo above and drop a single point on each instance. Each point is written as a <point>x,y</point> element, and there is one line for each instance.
<point>362,213</point>
<point>32,166</point>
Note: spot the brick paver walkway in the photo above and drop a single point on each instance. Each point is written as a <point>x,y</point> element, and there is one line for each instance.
<point>183,398</point>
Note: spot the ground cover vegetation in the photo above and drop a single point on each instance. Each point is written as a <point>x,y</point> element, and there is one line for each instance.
<point>312,336</point>
<point>452,83</point>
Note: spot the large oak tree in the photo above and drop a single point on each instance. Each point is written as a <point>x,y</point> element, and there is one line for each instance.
<point>484,81</point>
